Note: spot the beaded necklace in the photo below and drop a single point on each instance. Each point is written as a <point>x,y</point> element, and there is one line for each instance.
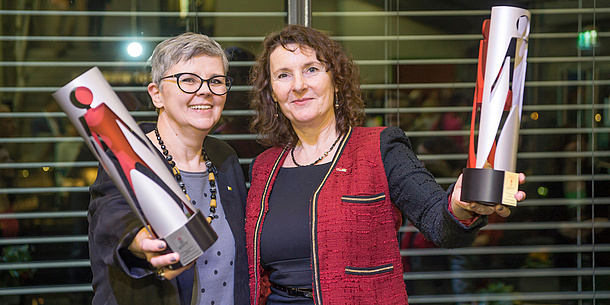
<point>319,159</point>
<point>178,177</point>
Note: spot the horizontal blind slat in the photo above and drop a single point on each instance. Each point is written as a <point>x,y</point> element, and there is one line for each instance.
<point>34,290</point>
<point>44,240</point>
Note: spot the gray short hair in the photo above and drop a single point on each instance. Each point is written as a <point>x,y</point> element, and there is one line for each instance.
<point>183,47</point>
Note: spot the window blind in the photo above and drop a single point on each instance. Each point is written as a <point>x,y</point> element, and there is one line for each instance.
<point>418,64</point>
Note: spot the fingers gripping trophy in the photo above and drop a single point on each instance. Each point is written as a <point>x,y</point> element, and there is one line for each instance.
<point>141,175</point>
<point>490,176</point>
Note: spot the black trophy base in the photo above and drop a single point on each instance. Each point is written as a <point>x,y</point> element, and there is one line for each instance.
<point>191,239</point>
<point>489,186</point>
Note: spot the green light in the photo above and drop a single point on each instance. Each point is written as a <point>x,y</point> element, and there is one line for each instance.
<point>587,39</point>
<point>543,191</point>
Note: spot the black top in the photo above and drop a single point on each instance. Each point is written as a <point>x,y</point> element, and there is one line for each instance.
<point>285,242</point>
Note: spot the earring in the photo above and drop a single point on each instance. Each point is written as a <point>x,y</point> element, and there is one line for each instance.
<point>277,110</point>
<point>336,101</point>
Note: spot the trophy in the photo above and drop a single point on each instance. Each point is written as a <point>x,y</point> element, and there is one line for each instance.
<point>141,174</point>
<point>489,177</point>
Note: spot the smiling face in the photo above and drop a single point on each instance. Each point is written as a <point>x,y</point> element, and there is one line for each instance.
<point>200,110</point>
<point>302,87</point>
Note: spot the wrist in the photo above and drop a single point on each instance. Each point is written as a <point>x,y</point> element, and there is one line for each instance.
<point>459,212</point>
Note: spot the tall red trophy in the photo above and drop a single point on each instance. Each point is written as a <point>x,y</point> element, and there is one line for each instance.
<point>490,176</point>
<point>141,173</point>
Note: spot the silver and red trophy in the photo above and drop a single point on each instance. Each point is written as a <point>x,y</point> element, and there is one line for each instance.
<point>490,177</point>
<point>141,175</point>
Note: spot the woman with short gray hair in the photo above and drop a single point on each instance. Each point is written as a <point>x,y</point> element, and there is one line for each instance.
<point>188,88</point>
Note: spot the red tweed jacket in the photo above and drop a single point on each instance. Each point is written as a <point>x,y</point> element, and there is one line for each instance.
<point>353,225</point>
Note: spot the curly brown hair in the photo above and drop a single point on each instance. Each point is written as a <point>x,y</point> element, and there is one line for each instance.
<point>277,131</point>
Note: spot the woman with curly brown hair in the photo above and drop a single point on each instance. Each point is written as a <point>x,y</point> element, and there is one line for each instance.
<point>326,200</point>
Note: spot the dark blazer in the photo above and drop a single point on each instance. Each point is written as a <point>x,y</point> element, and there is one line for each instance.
<point>119,277</point>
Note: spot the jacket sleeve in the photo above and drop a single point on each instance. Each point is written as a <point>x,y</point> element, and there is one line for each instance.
<point>112,226</point>
<point>418,196</point>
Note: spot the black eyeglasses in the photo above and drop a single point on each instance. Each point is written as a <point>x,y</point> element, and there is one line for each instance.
<point>191,83</point>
